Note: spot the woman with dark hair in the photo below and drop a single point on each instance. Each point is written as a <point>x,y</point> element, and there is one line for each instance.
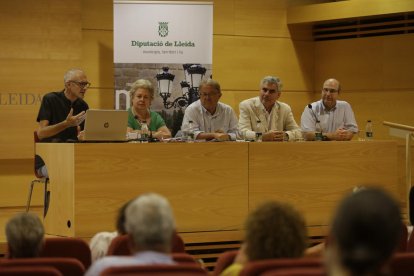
<point>365,233</point>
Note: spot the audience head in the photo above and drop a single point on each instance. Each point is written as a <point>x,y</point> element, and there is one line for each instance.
<point>275,230</point>
<point>330,91</point>
<point>76,84</point>
<point>210,93</point>
<point>270,90</point>
<point>150,222</point>
<point>365,232</point>
<point>121,218</point>
<point>24,233</point>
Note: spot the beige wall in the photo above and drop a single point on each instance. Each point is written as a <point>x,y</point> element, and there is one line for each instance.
<point>42,39</point>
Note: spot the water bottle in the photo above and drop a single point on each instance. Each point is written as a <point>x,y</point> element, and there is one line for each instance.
<point>190,131</point>
<point>259,133</point>
<point>318,131</point>
<point>368,131</point>
<point>144,131</point>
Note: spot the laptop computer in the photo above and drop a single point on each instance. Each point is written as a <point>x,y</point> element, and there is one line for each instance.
<point>105,125</point>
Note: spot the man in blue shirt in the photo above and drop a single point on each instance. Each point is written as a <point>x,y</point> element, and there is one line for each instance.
<point>336,117</point>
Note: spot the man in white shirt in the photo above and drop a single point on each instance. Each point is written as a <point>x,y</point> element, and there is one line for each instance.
<point>211,118</point>
<point>336,117</point>
<point>275,117</point>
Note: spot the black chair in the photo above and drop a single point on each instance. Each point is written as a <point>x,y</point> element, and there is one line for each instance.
<point>39,179</point>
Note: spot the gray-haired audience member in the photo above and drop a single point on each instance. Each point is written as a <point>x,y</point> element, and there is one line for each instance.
<point>276,118</point>
<point>150,222</point>
<point>25,236</point>
<point>365,233</point>
<point>211,118</point>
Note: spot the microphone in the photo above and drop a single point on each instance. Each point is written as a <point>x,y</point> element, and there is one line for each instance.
<point>318,129</point>
<point>314,115</point>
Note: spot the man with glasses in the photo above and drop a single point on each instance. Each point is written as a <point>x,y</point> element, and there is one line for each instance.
<point>61,114</point>
<point>211,118</point>
<point>265,114</point>
<point>336,117</point>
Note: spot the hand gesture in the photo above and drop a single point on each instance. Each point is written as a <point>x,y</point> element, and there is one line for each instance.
<point>75,120</point>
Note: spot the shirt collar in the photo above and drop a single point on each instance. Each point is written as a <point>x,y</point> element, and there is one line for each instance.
<point>217,113</point>
<point>325,109</point>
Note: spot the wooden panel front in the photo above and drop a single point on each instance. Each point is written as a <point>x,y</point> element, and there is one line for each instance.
<point>59,159</point>
<point>315,176</point>
<point>206,183</point>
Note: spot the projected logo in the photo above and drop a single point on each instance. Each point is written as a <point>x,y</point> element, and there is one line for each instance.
<point>163,29</point>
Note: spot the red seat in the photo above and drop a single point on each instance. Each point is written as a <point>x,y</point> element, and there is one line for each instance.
<point>410,243</point>
<point>66,266</point>
<point>224,260</point>
<point>402,247</point>
<point>402,264</point>
<point>259,267</point>
<point>67,248</point>
<point>151,270</point>
<point>302,271</point>
<point>184,258</point>
<point>29,271</point>
<point>120,246</point>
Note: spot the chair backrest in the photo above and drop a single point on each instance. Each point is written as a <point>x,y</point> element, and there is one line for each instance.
<point>402,264</point>
<point>184,258</point>
<point>151,270</point>
<point>67,248</point>
<point>66,266</point>
<point>29,271</point>
<point>410,242</point>
<point>302,271</point>
<point>120,246</point>
<point>259,267</point>
<point>402,247</point>
<point>224,260</point>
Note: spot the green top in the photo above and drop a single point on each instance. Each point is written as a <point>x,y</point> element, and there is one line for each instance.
<point>156,121</point>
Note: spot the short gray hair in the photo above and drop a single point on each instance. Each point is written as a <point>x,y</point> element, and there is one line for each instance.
<point>210,82</point>
<point>71,73</point>
<point>24,233</point>
<point>144,84</point>
<point>272,80</point>
<point>150,222</point>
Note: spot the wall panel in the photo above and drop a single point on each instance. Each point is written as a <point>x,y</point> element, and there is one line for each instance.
<point>38,42</point>
<point>240,63</point>
<point>265,18</point>
<point>98,57</point>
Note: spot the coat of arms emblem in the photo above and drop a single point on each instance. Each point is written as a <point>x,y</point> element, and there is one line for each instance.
<point>163,29</point>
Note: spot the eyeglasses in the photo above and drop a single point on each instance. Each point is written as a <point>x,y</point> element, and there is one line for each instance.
<point>205,95</point>
<point>330,90</point>
<point>82,84</point>
<point>271,91</point>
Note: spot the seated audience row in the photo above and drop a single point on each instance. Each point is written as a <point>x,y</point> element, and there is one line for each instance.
<point>365,233</point>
